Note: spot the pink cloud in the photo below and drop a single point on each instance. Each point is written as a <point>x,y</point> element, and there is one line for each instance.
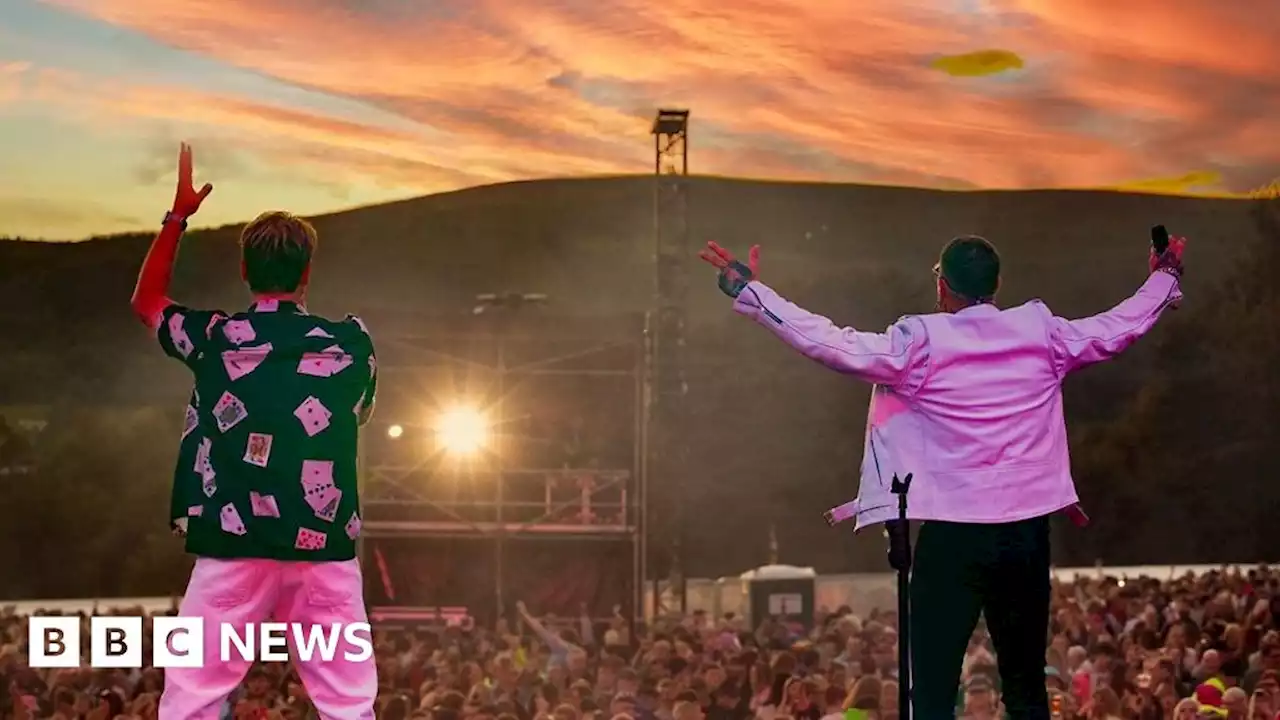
<point>787,88</point>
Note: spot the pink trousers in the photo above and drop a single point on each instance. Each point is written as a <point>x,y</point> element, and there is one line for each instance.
<point>256,591</point>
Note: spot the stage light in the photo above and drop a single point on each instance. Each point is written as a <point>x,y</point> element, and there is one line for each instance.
<point>462,431</point>
<point>395,431</point>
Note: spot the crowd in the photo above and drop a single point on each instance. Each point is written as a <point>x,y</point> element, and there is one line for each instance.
<point>1120,649</point>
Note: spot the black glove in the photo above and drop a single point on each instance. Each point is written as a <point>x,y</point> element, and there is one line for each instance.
<point>734,275</point>
<point>734,278</point>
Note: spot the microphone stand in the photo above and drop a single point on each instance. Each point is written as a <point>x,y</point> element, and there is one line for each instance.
<point>899,534</point>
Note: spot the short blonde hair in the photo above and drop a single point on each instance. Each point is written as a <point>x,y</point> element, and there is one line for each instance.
<point>276,248</point>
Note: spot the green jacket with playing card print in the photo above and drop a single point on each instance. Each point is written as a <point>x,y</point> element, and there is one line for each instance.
<point>267,467</point>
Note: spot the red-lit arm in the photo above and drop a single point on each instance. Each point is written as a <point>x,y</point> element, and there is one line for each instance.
<point>151,294</point>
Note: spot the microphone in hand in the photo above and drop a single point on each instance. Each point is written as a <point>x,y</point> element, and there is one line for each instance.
<point>1166,256</point>
<point>1166,252</point>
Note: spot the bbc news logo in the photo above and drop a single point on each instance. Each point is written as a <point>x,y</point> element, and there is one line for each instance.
<point>178,642</point>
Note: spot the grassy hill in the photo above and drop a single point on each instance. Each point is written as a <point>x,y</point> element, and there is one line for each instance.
<point>858,254</point>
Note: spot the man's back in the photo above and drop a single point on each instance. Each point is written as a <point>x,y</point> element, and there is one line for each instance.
<point>265,487</point>
<point>991,402</point>
<point>968,403</point>
<point>268,461</point>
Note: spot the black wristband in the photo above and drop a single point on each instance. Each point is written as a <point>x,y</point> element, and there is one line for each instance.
<point>1167,262</point>
<point>734,278</point>
<point>171,217</point>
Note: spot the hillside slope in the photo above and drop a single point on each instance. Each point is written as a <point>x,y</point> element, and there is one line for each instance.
<point>859,254</point>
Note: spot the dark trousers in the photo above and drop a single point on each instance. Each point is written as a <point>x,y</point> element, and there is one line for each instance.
<point>962,570</point>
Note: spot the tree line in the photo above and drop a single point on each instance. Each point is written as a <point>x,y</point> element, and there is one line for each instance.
<point>1187,472</point>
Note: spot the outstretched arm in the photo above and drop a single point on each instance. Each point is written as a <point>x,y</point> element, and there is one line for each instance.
<point>553,641</point>
<point>883,358</point>
<point>1077,343</point>
<point>151,294</point>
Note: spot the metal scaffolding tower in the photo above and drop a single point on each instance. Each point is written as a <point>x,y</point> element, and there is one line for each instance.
<point>666,333</point>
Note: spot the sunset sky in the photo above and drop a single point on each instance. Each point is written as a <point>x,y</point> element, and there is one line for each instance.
<point>318,105</point>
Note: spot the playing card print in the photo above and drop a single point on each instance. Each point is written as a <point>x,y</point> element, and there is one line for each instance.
<point>313,415</point>
<point>318,488</point>
<point>331,361</point>
<point>213,322</point>
<point>329,512</point>
<point>192,420</point>
<point>310,540</point>
<point>241,424</point>
<point>242,361</point>
<point>264,505</point>
<point>228,411</point>
<point>204,467</point>
<point>257,450</point>
<point>239,332</point>
<point>324,501</point>
<point>317,474</point>
<point>178,333</point>
<point>230,520</point>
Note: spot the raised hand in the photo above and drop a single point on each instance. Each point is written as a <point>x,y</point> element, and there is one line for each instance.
<point>1170,260</point>
<point>734,275</point>
<point>720,258</point>
<point>187,200</point>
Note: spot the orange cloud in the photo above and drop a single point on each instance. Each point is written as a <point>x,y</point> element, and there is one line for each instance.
<point>1234,38</point>
<point>280,134</point>
<point>11,78</point>
<point>507,89</point>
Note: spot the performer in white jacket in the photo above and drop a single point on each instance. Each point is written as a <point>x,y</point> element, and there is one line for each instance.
<point>968,400</point>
